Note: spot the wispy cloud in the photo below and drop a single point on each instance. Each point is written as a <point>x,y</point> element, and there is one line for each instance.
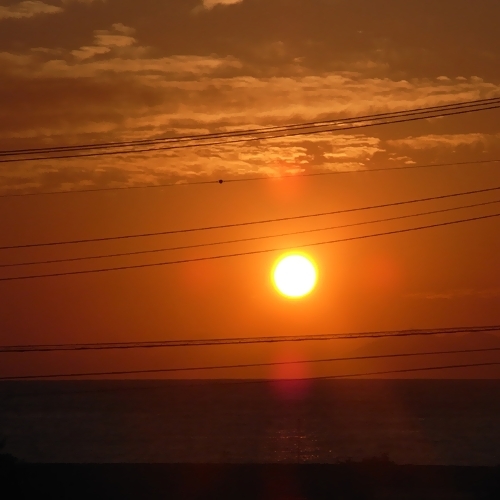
<point>32,8</point>
<point>28,8</point>
<point>106,40</point>
<point>210,4</point>
<point>444,141</point>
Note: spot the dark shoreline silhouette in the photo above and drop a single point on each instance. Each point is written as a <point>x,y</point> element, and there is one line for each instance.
<point>369,479</point>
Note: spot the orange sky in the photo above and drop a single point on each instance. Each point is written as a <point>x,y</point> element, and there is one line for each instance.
<point>77,72</point>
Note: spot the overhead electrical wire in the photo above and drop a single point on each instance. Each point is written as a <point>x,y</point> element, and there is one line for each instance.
<point>260,130</point>
<point>410,370</point>
<point>245,140</point>
<point>250,223</point>
<point>251,179</point>
<point>238,382</point>
<point>242,254</point>
<point>409,117</point>
<point>244,240</point>
<point>100,346</point>
<point>219,382</point>
<point>246,365</point>
<point>365,374</point>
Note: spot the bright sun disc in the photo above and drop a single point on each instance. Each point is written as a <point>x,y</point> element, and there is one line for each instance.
<point>294,275</point>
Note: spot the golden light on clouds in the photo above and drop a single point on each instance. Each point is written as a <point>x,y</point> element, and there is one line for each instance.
<point>295,275</point>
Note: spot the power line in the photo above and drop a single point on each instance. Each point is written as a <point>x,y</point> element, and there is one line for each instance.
<point>244,240</point>
<point>251,179</point>
<point>262,130</point>
<point>270,381</point>
<point>247,365</point>
<point>244,140</point>
<point>239,141</point>
<point>370,374</point>
<point>242,254</point>
<point>422,369</point>
<point>250,223</point>
<point>99,346</point>
<point>254,131</point>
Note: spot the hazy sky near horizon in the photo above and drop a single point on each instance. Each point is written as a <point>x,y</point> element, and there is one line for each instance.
<point>85,71</point>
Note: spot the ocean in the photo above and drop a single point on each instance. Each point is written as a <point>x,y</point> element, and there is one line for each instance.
<point>423,422</point>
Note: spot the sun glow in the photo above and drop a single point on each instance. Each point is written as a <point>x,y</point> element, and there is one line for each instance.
<point>294,275</point>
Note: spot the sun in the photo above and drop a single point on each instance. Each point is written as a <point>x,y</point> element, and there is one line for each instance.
<point>294,275</point>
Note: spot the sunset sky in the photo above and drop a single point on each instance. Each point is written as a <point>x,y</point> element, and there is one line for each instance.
<point>93,71</point>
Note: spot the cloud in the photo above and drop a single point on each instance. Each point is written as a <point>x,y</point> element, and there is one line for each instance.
<point>124,29</point>
<point>272,158</point>
<point>106,40</point>
<point>152,67</point>
<point>82,1</point>
<point>31,8</point>
<point>28,8</point>
<point>123,57</point>
<point>444,141</point>
<point>132,91</point>
<point>210,4</point>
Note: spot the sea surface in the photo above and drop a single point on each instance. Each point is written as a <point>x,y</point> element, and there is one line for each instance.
<point>427,422</point>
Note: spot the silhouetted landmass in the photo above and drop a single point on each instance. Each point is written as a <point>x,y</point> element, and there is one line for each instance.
<point>6,458</point>
<point>376,478</point>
